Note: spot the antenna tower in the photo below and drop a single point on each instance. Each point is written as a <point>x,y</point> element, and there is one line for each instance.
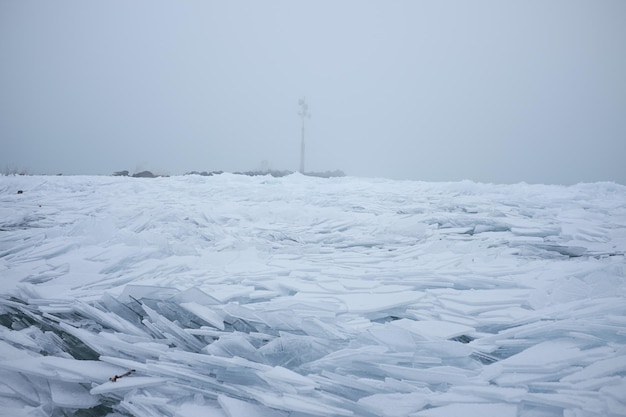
<point>303,113</point>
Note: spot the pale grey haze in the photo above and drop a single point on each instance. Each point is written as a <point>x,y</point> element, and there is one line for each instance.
<point>491,91</point>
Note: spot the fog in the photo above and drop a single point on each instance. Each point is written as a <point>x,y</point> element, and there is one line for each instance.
<point>488,91</point>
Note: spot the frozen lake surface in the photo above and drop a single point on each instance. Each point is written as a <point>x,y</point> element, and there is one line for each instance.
<point>298,296</point>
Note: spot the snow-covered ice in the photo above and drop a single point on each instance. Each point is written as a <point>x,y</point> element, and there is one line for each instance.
<point>297,296</point>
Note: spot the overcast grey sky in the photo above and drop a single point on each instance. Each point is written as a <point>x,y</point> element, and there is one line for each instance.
<point>492,91</point>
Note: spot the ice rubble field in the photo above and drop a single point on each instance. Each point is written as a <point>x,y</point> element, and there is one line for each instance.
<point>255,296</point>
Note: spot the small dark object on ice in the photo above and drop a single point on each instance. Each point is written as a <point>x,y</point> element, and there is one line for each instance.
<point>20,191</point>
<point>116,377</point>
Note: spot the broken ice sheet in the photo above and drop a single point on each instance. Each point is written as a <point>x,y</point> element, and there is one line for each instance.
<point>396,404</point>
<point>237,408</point>
<point>68,395</point>
<point>599,369</point>
<point>128,384</point>
<point>210,315</point>
<point>310,297</point>
<point>235,344</point>
<point>305,404</point>
<point>470,410</point>
<point>366,302</point>
<point>546,357</point>
<point>61,369</point>
<point>434,329</point>
<point>294,350</point>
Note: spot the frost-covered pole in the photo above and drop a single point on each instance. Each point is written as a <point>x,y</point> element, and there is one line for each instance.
<point>304,113</point>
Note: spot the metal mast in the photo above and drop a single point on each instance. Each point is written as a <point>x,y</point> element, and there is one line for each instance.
<point>303,113</point>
